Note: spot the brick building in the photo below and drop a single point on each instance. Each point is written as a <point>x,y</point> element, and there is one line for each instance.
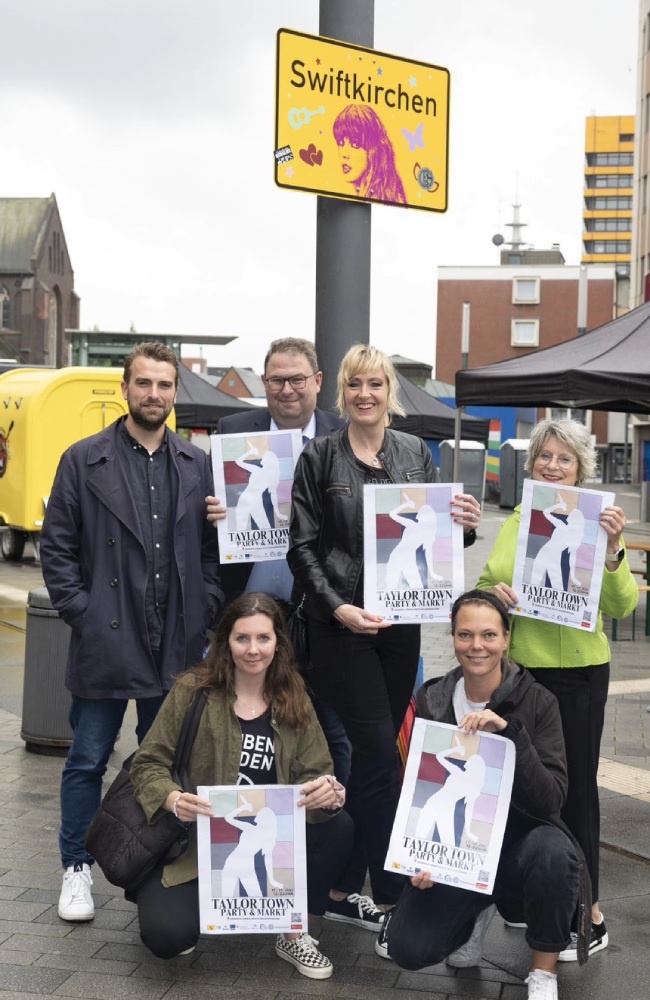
<point>518,308</point>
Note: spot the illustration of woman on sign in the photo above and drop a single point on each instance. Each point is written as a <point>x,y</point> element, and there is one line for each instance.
<point>555,563</point>
<point>255,838</point>
<point>461,784</point>
<point>262,486</point>
<point>367,155</point>
<point>418,534</point>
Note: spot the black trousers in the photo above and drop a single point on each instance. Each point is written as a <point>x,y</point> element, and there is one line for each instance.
<point>582,695</point>
<point>537,882</point>
<point>169,917</point>
<point>369,681</point>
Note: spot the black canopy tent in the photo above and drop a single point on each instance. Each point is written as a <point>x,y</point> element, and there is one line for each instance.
<point>432,420</point>
<point>199,404</point>
<point>606,369</point>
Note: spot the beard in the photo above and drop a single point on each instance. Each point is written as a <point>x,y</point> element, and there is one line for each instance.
<point>148,421</point>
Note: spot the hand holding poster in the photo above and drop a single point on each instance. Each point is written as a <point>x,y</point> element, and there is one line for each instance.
<point>560,554</point>
<point>453,807</point>
<point>252,860</point>
<point>253,476</point>
<point>413,551</point>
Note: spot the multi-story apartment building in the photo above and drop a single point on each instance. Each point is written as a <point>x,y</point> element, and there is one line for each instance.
<point>607,214</point>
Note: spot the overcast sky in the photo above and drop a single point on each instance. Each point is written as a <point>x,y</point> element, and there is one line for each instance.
<point>153,123</point>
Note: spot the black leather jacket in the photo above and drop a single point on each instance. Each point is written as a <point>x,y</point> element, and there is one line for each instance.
<point>326,529</point>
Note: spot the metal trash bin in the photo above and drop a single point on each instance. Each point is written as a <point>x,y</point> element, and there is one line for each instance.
<point>46,700</point>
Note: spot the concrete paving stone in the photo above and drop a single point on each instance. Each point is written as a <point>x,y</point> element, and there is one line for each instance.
<point>104,919</point>
<point>622,878</point>
<point>18,861</point>
<point>87,987</point>
<point>53,946</point>
<point>378,994</point>
<point>12,910</point>
<point>93,965</point>
<point>357,976</point>
<point>9,957</point>
<point>516,992</point>
<point>171,972</point>
<point>32,980</point>
<point>485,971</point>
<point>104,934</point>
<point>195,991</point>
<point>452,987</point>
<point>625,823</point>
<point>10,892</point>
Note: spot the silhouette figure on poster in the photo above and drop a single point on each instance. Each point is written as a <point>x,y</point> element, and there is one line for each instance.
<point>264,478</point>
<point>461,784</point>
<point>568,533</point>
<point>258,836</point>
<point>417,534</point>
<point>367,155</point>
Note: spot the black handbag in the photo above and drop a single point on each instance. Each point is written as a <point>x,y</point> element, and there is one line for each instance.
<point>299,634</point>
<point>123,843</point>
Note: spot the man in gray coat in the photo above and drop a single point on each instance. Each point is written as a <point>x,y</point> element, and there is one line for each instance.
<point>131,565</point>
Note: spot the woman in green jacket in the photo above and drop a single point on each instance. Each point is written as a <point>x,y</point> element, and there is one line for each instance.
<point>255,698</point>
<point>573,664</point>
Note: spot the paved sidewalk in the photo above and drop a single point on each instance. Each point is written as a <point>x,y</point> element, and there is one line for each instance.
<point>41,955</point>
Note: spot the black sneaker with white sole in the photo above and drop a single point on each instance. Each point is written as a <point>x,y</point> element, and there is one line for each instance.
<point>381,942</point>
<point>356,909</point>
<point>599,941</point>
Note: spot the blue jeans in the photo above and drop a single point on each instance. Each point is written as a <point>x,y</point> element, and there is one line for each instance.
<point>95,723</point>
<point>336,736</point>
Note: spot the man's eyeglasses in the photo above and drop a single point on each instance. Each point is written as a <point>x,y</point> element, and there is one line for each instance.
<point>276,383</point>
<point>564,461</point>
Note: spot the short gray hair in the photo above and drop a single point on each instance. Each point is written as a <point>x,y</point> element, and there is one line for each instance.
<point>573,436</point>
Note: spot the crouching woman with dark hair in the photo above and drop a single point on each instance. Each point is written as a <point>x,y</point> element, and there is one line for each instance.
<point>253,690</point>
<point>541,879</point>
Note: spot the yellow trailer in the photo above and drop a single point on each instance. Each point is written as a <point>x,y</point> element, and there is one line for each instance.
<point>43,412</point>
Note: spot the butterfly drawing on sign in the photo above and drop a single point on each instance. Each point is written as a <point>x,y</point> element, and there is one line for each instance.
<point>414,139</point>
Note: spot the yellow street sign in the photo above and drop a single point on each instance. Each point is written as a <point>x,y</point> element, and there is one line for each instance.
<point>359,124</point>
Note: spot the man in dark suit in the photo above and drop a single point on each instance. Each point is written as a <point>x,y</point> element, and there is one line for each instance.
<point>292,380</point>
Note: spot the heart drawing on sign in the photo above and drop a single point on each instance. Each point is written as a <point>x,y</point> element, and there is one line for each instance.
<point>311,155</point>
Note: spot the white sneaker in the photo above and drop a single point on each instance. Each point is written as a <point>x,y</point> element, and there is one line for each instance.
<point>76,901</point>
<point>542,985</point>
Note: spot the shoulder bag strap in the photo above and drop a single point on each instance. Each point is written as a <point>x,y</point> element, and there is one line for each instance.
<point>186,739</point>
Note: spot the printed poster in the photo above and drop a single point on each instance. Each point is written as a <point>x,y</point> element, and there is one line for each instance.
<point>253,476</point>
<point>413,551</point>
<point>252,860</point>
<point>453,807</point>
<point>560,554</point>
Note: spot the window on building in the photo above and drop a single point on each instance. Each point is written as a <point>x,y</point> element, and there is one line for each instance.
<point>525,290</point>
<point>608,180</point>
<point>608,204</point>
<point>524,332</point>
<point>608,225</point>
<point>611,246</point>
<point>515,258</point>
<point>610,159</point>
<point>5,308</point>
<point>626,137</point>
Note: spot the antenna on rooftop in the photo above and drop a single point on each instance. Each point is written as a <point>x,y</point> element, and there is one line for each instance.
<point>516,242</point>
